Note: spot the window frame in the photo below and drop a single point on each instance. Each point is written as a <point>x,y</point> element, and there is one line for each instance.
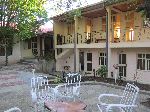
<point>145,62</point>
<point>100,58</point>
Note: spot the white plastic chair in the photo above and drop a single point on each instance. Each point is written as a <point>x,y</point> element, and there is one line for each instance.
<point>127,100</point>
<point>71,89</point>
<point>14,109</point>
<point>39,95</point>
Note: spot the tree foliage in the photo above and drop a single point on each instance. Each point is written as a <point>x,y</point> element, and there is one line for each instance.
<point>20,19</point>
<point>23,16</point>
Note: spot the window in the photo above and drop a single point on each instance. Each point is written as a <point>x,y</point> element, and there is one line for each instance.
<point>116,25</point>
<point>131,34</point>
<point>143,61</point>
<point>89,56</point>
<point>102,59</point>
<point>34,46</point>
<point>129,19</point>
<point>88,29</point>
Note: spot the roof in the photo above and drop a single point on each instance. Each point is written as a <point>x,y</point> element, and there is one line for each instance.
<point>98,9</point>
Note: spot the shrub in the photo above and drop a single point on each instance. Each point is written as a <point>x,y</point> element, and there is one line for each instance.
<point>102,71</point>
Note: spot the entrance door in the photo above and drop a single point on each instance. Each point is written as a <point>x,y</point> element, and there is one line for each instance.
<point>122,65</point>
<point>89,62</point>
<point>34,46</point>
<point>81,54</point>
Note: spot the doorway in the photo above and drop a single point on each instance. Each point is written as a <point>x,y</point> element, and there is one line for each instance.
<point>89,62</point>
<point>122,65</point>
<point>81,61</point>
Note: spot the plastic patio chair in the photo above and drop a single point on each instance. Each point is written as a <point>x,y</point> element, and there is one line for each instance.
<point>69,90</point>
<point>14,109</point>
<point>127,100</point>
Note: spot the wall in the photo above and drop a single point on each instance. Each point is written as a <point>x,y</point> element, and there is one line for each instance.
<point>16,54</point>
<point>25,52</point>
<point>69,61</point>
<point>131,56</point>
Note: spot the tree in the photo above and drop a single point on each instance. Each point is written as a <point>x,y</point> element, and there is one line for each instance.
<point>19,19</point>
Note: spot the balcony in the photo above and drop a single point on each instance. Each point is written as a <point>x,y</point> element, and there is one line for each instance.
<point>132,38</point>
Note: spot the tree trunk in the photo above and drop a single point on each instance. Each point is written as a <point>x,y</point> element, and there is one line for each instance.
<point>6,56</point>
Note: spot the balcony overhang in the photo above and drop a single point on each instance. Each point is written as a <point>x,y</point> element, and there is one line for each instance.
<point>98,9</point>
<point>130,45</point>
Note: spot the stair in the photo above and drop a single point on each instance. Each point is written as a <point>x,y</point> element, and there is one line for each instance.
<point>28,61</point>
<point>65,54</point>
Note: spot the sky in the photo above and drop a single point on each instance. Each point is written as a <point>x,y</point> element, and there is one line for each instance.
<point>49,25</point>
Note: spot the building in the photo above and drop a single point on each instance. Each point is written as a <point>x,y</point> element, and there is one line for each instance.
<point>27,49</point>
<point>128,42</point>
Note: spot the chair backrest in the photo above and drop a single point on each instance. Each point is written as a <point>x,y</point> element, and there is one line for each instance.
<point>129,96</point>
<point>73,78</point>
<point>36,82</point>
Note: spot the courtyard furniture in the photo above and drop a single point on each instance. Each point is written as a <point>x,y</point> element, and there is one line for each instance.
<point>39,91</point>
<point>38,81</point>
<point>69,90</point>
<point>127,100</point>
<point>65,106</point>
<point>14,109</point>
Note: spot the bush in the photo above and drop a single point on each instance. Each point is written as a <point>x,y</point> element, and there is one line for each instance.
<point>102,71</point>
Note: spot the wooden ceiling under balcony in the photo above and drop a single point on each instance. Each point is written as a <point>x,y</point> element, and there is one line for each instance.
<point>98,10</point>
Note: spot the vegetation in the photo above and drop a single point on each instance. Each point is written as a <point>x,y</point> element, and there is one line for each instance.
<point>20,19</point>
<point>58,79</point>
<point>102,71</point>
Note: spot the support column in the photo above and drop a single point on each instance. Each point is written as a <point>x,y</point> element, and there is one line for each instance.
<point>108,40</point>
<point>76,61</point>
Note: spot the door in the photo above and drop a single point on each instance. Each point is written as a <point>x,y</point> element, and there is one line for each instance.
<point>122,65</point>
<point>89,62</point>
<point>34,46</point>
<point>81,57</point>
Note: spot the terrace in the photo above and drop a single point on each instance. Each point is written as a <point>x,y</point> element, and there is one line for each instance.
<point>18,94</point>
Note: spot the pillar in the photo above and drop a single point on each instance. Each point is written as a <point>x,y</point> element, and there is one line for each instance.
<point>108,36</point>
<point>76,52</point>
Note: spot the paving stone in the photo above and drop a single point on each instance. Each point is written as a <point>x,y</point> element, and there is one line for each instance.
<point>19,94</point>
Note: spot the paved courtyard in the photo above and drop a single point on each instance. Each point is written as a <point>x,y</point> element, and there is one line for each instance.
<point>15,91</point>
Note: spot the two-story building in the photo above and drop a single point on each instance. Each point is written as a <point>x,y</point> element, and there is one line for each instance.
<point>81,45</point>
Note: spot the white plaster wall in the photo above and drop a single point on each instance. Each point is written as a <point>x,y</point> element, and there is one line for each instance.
<point>25,52</point>
<point>69,61</point>
<point>131,58</point>
<point>16,54</point>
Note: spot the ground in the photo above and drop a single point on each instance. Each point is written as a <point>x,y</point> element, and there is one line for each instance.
<point>15,90</point>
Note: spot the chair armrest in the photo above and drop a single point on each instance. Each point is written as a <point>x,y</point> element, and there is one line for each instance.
<point>13,109</point>
<point>107,95</point>
<point>118,106</point>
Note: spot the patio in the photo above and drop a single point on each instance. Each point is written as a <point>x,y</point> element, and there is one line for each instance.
<point>18,94</point>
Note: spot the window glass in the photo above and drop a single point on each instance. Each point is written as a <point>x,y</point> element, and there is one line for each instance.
<point>89,56</point>
<point>143,62</point>
<point>89,66</point>
<point>102,59</point>
<point>148,56</point>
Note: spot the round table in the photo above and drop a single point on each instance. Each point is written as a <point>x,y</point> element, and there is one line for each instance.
<point>66,106</point>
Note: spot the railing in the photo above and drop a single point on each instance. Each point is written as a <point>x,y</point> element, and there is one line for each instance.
<point>85,38</point>
<point>100,37</point>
